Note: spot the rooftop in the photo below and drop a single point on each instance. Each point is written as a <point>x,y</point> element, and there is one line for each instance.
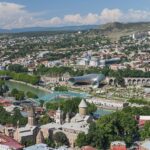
<point>37,147</point>
<point>5,140</point>
<point>118,143</point>
<point>83,104</point>
<point>78,126</point>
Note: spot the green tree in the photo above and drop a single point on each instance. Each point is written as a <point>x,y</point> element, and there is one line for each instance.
<point>50,142</point>
<point>32,79</point>
<point>19,95</point>
<point>145,132</point>
<point>41,103</point>
<point>81,140</point>
<point>117,126</point>
<point>120,80</point>
<point>27,143</point>
<point>18,117</point>
<point>61,139</point>
<point>45,119</point>
<point>61,88</point>
<point>7,118</point>
<point>3,88</point>
<point>17,68</point>
<point>31,95</point>
<point>70,105</point>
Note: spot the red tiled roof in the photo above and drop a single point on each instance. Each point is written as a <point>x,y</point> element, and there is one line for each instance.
<point>5,140</point>
<point>4,102</point>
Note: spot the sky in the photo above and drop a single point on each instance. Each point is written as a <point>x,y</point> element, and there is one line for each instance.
<point>54,13</point>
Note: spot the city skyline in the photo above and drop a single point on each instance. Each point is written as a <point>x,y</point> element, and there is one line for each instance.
<point>48,13</point>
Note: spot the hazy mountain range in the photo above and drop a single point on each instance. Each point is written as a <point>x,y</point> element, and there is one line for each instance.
<point>38,29</point>
<point>109,27</point>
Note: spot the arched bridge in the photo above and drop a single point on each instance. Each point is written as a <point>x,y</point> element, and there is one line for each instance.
<point>130,81</point>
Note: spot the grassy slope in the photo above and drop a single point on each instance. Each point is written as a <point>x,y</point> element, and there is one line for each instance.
<point>116,30</point>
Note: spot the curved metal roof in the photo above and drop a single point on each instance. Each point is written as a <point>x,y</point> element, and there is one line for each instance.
<point>89,78</point>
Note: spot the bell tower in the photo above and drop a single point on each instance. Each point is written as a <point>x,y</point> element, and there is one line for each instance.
<point>31,116</point>
<point>59,116</point>
<point>83,108</point>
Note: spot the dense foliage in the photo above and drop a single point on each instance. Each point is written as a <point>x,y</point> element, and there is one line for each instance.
<point>139,101</point>
<point>45,119</point>
<point>31,95</point>
<point>70,105</point>
<point>120,125</point>
<point>17,68</point>
<point>32,79</point>
<point>7,118</point>
<point>19,95</point>
<point>145,132</point>
<point>3,88</point>
<point>61,88</point>
<point>58,71</point>
<point>60,139</point>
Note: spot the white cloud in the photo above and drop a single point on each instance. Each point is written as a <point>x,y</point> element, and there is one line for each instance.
<point>110,15</point>
<point>14,15</point>
<point>46,22</point>
<point>137,15</point>
<point>91,19</point>
<point>78,19</point>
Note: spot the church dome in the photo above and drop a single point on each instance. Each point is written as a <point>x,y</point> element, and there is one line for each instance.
<point>83,104</point>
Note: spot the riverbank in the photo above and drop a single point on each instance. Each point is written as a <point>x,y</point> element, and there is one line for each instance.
<point>33,86</point>
<point>108,108</point>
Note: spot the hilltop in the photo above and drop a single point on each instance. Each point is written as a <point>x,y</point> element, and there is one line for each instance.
<point>117,29</point>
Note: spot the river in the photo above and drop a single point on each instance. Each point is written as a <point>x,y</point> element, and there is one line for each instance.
<point>42,93</point>
<point>26,88</point>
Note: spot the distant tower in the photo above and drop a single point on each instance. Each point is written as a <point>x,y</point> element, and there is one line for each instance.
<point>31,116</point>
<point>39,137</point>
<point>67,118</point>
<point>59,116</point>
<point>83,108</point>
<point>16,134</point>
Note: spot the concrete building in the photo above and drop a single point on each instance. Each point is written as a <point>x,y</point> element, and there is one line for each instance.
<point>94,62</point>
<point>105,103</point>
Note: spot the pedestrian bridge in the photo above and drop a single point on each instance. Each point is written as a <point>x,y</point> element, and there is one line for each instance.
<point>68,94</point>
<point>131,81</point>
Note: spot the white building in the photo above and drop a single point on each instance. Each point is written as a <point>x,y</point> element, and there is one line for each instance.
<point>106,103</point>
<point>94,62</point>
